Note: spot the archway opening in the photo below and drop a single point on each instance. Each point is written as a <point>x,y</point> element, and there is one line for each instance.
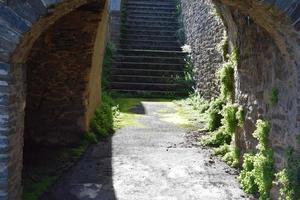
<point>63,88</point>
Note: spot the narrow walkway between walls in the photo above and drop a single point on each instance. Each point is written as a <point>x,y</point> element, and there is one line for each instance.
<point>152,158</point>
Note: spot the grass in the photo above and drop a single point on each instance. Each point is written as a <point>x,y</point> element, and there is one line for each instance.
<point>33,190</point>
<point>125,116</point>
<point>191,111</point>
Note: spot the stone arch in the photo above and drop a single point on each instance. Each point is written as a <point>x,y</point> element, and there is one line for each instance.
<point>24,26</point>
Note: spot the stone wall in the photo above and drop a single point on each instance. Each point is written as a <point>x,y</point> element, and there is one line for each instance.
<point>204,32</point>
<point>267,62</point>
<point>21,24</point>
<point>266,35</point>
<point>58,73</point>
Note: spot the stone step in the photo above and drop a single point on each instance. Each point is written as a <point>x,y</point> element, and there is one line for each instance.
<point>151,66</point>
<point>138,52</point>
<point>171,9</point>
<point>153,18</point>
<point>150,93</point>
<point>151,23</point>
<point>149,37</point>
<point>144,86</point>
<point>149,5</point>
<point>152,14</point>
<point>149,32</point>
<point>145,72</point>
<point>150,42</point>
<point>152,2</point>
<point>149,59</point>
<point>150,27</point>
<point>150,47</point>
<point>145,79</point>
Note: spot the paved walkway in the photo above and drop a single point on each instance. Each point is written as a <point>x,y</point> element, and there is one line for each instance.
<point>151,161</point>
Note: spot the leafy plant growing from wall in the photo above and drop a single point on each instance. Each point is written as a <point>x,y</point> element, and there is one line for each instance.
<point>257,174</point>
<point>289,178</point>
<point>227,78</point>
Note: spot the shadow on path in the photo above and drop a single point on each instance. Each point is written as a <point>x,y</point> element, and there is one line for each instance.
<point>90,178</point>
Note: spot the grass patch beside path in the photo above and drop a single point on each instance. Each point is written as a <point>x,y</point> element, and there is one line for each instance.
<point>192,116</point>
<point>130,109</point>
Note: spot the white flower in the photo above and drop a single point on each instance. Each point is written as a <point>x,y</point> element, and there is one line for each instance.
<point>186,48</point>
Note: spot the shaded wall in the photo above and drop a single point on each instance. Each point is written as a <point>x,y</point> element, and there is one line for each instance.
<point>204,32</point>
<point>21,24</point>
<point>59,69</point>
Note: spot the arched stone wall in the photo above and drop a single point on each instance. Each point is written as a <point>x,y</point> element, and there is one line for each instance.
<point>267,36</point>
<point>23,25</point>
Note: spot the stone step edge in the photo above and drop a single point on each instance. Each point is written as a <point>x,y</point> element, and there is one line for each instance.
<point>141,83</point>
<point>146,63</point>
<point>163,31</point>
<point>148,26</point>
<point>158,3</point>
<point>148,91</point>
<point>155,51</point>
<point>146,70</point>
<point>139,76</point>
<point>150,7</point>
<point>149,57</point>
<point>153,41</point>
<point>148,21</point>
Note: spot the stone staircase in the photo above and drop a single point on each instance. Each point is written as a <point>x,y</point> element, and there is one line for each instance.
<point>149,59</point>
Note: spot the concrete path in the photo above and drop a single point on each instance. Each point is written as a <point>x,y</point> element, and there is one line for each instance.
<point>154,160</point>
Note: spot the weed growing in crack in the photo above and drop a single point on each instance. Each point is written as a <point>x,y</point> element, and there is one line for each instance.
<point>274,96</point>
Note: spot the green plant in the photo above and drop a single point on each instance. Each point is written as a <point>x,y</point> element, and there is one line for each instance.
<point>247,176</point>
<point>232,157</point>
<point>214,114</point>
<point>90,138</point>
<point>102,122</point>
<point>274,96</point>
<point>217,138</point>
<point>289,177</point>
<point>227,80</point>
<point>257,174</point>
<point>229,120</point>
<point>189,74</point>
<point>240,116</point>
<point>197,102</point>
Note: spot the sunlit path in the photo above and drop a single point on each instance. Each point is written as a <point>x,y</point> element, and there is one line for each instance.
<point>150,160</point>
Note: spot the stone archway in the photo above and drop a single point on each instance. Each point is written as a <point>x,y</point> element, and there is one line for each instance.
<point>28,27</point>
